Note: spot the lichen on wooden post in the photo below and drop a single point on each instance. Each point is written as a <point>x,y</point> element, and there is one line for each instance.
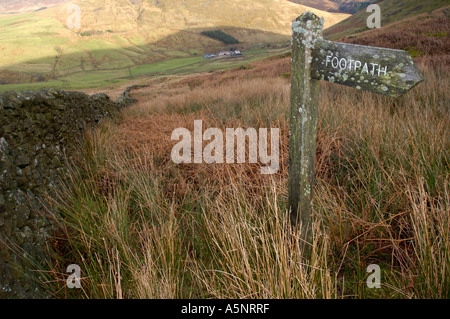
<point>383,71</point>
<point>306,33</point>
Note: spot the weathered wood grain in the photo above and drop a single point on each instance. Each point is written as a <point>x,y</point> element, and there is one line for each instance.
<point>306,32</point>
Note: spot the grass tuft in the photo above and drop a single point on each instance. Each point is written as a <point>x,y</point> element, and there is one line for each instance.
<point>141,226</point>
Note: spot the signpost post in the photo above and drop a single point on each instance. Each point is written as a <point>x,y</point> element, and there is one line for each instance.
<point>385,71</point>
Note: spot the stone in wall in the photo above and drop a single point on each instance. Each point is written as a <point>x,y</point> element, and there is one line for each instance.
<point>37,129</point>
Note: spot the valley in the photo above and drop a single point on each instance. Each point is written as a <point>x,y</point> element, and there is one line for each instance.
<point>141,225</point>
<point>119,36</point>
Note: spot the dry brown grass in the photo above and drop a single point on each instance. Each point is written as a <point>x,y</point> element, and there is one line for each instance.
<point>199,230</point>
<point>425,37</point>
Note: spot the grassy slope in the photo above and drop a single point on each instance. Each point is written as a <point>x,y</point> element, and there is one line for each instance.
<point>141,226</point>
<point>325,5</point>
<point>9,6</point>
<point>344,6</point>
<point>424,36</point>
<point>391,11</point>
<point>222,231</point>
<point>112,78</point>
<point>119,34</point>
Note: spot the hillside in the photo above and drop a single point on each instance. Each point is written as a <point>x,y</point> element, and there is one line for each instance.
<point>424,36</point>
<point>223,231</point>
<point>16,6</point>
<point>118,35</point>
<point>391,11</point>
<point>343,6</point>
<point>141,226</point>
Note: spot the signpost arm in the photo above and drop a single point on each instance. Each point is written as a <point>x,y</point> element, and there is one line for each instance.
<point>304,99</point>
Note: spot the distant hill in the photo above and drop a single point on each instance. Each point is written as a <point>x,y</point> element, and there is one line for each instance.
<point>17,6</point>
<point>343,6</point>
<point>391,11</point>
<point>123,33</point>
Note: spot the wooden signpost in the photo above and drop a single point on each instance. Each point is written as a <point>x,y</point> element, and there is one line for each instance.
<point>380,70</point>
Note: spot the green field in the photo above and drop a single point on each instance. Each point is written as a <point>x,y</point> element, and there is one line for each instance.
<point>177,66</point>
<point>122,39</point>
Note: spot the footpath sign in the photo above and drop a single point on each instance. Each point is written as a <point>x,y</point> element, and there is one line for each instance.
<point>379,70</point>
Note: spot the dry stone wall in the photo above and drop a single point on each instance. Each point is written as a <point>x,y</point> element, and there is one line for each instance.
<point>36,131</point>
